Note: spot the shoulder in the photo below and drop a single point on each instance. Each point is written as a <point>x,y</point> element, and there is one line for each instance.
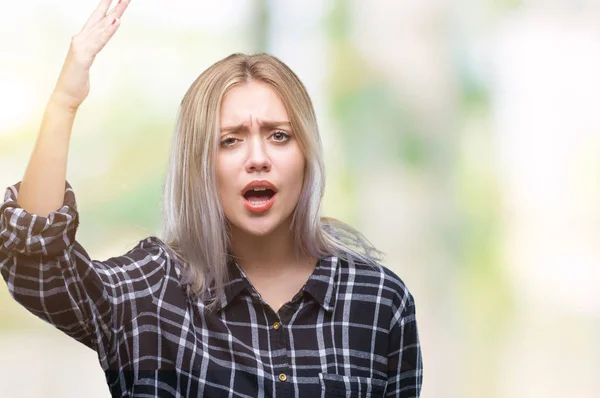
<point>149,256</point>
<point>146,250</point>
<point>377,279</point>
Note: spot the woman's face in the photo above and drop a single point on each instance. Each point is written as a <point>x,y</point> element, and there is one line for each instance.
<point>256,144</point>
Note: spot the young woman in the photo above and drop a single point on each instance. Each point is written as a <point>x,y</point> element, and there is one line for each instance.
<point>249,292</point>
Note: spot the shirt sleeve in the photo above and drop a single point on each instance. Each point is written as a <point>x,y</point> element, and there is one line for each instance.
<point>405,365</point>
<point>52,276</point>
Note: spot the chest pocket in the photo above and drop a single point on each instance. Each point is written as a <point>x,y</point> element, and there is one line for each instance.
<point>351,386</point>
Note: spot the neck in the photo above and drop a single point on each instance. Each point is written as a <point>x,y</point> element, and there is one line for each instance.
<point>273,253</point>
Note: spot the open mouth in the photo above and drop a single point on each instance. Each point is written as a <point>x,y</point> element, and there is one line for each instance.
<point>259,200</point>
<point>258,197</point>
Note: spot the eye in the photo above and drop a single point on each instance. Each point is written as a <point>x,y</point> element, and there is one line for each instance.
<point>227,142</point>
<point>280,136</point>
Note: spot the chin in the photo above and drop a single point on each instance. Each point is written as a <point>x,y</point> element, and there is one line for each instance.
<point>254,227</point>
<point>264,229</point>
<point>261,226</point>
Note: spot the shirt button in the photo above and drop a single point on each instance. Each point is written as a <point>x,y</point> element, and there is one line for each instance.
<point>282,377</point>
<point>276,325</point>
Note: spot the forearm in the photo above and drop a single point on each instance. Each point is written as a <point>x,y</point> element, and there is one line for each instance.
<point>43,187</point>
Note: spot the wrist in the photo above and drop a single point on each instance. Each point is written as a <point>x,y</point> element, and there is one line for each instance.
<point>62,101</point>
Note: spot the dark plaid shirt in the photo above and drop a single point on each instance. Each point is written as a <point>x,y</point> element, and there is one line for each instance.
<point>349,332</point>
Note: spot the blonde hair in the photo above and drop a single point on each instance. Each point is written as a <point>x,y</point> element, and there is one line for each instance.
<point>195,227</point>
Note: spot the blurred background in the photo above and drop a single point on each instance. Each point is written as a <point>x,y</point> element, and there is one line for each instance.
<point>462,138</point>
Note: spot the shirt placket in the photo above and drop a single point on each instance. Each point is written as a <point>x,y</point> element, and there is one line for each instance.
<point>278,335</point>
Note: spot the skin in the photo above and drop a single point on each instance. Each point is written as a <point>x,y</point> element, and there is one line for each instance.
<point>254,147</point>
<point>258,240</point>
<point>43,185</point>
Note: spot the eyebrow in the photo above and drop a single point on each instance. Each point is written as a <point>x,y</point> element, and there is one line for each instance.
<point>266,125</point>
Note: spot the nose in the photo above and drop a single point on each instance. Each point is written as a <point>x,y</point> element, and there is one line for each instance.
<point>258,159</point>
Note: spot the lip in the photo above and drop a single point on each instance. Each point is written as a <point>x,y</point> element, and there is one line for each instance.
<point>259,208</point>
<point>259,184</point>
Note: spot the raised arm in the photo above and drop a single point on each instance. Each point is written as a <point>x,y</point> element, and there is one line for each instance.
<point>43,187</point>
<point>45,268</point>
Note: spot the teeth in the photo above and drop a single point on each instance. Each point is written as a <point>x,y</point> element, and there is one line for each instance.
<point>259,189</point>
<point>258,202</point>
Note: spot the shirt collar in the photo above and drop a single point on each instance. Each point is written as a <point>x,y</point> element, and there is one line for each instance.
<point>236,284</point>
<point>321,285</point>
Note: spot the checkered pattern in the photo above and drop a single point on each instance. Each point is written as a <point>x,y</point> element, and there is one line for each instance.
<point>350,331</point>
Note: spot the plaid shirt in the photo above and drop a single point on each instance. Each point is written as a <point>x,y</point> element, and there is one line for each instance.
<point>350,331</point>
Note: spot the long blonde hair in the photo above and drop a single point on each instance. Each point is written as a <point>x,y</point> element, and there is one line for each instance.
<point>195,227</point>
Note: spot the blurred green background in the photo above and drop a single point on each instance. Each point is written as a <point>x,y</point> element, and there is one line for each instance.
<point>461,138</point>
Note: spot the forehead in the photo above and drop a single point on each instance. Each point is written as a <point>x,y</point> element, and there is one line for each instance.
<point>252,101</point>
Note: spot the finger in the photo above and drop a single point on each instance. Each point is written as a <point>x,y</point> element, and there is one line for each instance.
<point>112,29</point>
<point>110,22</point>
<point>106,31</point>
<point>118,11</point>
<point>99,12</point>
